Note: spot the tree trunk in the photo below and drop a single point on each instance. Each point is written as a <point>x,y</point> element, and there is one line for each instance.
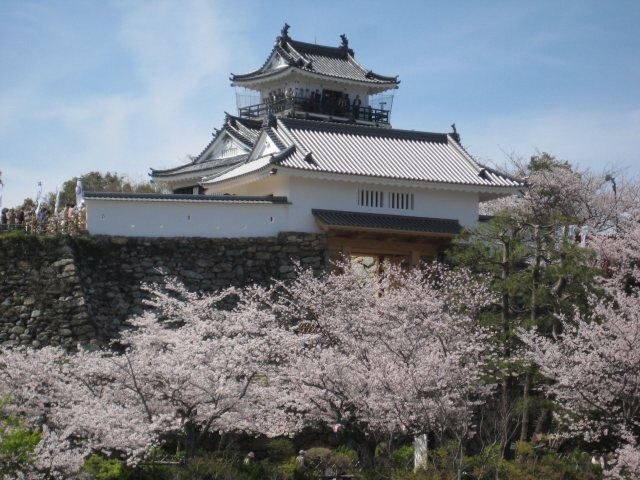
<point>535,285</point>
<point>506,347</point>
<point>420,452</point>
<point>364,445</point>
<point>190,440</point>
<point>524,428</point>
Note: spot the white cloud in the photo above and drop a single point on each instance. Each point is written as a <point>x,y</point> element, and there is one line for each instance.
<point>178,53</point>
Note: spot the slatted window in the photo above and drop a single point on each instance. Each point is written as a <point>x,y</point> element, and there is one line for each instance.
<point>401,201</point>
<point>229,152</point>
<point>371,198</point>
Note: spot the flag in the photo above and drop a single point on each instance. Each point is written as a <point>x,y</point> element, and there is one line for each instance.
<point>39,199</point>
<point>57,207</point>
<point>79,194</point>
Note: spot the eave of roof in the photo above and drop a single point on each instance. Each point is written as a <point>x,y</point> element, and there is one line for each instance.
<point>320,60</point>
<point>194,168</point>
<point>248,168</point>
<point>276,74</point>
<point>342,220</point>
<point>151,197</point>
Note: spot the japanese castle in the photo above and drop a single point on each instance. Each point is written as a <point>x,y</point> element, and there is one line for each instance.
<point>312,149</point>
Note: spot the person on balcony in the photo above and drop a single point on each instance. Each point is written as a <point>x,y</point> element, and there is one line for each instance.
<point>311,98</point>
<point>355,106</point>
<point>289,97</point>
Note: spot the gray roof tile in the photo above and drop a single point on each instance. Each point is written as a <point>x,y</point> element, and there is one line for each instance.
<point>337,62</point>
<point>340,219</point>
<point>160,197</point>
<point>388,153</point>
<point>200,168</point>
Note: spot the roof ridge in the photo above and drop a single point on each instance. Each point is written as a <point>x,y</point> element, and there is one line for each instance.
<point>319,49</point>
<point>237,128</point>
<point>480,167</point>
<point>363,130</point>
<point>283,53</point>
<point>284,154</point>
<point>286,132</point>
<point>184,196</point>
<point>300,57</point>
<point>275,138</point>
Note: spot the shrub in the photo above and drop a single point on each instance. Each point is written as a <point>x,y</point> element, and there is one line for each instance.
<point>318,458</point>
<point>102,468</point>
<point>17,443</point>
<point>344,459</point>
<point>402,457</point>
<point>279,449</point>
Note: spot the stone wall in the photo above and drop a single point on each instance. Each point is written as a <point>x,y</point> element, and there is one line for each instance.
<point>64,290</point>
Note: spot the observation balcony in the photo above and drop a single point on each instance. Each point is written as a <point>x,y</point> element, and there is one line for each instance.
<point>302,107</point>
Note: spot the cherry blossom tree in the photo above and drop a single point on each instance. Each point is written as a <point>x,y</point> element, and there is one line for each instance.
<point>401,353</point>
<point>398,354</point>
<point>186,367</point>
<point>534,248</point>
<point>38,385</point>
<point>594,362</point>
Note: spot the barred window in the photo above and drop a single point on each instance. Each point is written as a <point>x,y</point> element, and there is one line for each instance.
<point>401,201</point>
<point>371,198</point>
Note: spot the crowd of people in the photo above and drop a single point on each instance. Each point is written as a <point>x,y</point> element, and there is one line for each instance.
<point>11,218</point>
<point>68,220</point>
<point>326,102</point>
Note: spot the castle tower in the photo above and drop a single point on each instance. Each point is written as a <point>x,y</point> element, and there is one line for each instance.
<point>318,82</point>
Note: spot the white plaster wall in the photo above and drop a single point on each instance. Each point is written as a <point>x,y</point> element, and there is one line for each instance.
<point>305,194</point>
<point>184,219</point>
<point>190,219</point>
<point>277,185</point>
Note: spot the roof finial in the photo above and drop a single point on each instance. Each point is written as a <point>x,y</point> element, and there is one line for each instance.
<point>345,42</point>
<point>284,33</point>
<point>455,134</point>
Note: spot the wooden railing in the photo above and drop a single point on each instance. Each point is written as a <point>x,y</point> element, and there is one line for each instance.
<point>326,108</point>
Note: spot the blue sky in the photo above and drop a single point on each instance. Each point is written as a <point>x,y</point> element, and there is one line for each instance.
<point>123,86</point>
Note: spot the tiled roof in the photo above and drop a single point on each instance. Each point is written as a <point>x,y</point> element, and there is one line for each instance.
<point>388,153</point>
<point>368,151</point>
<point>336,62</point>
<point>245,131</point>
<point>157,197</point>
<point>340,219</point>
<point>240,170</point>
<point>200,168</point>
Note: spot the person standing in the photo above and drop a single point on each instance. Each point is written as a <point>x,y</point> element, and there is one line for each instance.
<point>355,106</point>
